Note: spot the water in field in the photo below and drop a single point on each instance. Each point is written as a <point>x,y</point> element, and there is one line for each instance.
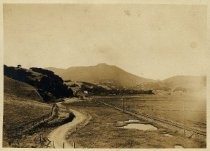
<point>178,146</point>
<point>186,109</point>
<point>142,127</point>
<point>168,135</point>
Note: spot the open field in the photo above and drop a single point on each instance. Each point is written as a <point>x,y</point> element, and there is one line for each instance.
<point>184,109</point>
<point>102,132</point>
<point>18,113</point>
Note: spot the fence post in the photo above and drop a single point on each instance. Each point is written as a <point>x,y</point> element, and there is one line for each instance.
<point>73,144</point>
<point>53,145</point>
<point>40,138</point>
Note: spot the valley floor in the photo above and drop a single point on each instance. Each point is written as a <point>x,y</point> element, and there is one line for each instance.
<point>96,126</point>
<point>102,132</point>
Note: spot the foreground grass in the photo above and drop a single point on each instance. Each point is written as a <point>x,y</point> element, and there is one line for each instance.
<point>22,105</point>
<point>101,131</point>
<point>18,113</point>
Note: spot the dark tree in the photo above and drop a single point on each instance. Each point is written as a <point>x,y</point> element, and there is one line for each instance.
<point>19,66</point>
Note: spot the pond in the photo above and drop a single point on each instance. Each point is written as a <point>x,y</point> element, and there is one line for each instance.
<point>168,135</point>
<point>139,126</point>
<point>178,146</point>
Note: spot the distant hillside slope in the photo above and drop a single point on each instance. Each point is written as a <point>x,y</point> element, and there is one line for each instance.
<point>20,89</point>
<point>101,74</point>
<point>22,104</point>
<point>49,85</point>
<point>112,76</point>
<point>192,83</point>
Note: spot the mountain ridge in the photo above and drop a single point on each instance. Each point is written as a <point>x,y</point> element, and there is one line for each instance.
<point>101,73</point>
<point>112,75</point>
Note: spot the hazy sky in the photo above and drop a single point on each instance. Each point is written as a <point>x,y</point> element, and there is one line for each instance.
<point>153,41</point>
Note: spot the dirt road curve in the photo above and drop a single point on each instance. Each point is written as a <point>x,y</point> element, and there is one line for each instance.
<point>58,135</point>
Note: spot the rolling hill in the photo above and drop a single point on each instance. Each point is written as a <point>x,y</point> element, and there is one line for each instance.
<point>190,83</point>
<point>20,89</point>
<point>113,76</point>
<point>100,74</point>
<point>22,104</point>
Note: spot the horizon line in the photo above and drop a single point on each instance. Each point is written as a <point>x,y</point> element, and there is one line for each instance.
<point>156,79</point>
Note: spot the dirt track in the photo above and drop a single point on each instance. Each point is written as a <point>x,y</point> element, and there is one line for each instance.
<point>57,136</point>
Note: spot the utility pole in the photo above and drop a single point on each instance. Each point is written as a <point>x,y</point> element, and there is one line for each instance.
<point>184,120</point>
<point>184,116</point>
<point>73,145</point>
<point>123,105</point>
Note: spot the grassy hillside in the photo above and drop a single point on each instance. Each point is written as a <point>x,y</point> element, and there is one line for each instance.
<point>22,104</point>
<point>20,89</point>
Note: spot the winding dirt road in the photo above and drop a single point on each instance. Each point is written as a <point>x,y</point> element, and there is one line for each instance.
<point>58,135</point>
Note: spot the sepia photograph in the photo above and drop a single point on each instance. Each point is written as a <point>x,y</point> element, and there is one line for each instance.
<point>104,75</point>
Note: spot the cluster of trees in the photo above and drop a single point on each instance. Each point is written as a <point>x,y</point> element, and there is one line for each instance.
<point>179,89</point>
<point>18,73</point>
<point>98,90</point>
<point>53,83</point>
<point>49,85</point>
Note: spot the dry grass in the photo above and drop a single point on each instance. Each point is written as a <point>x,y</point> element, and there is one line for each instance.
<point>21,106</point>
<point>18,112</point>
<point>184,109</point>
<point>14,88</point>
<point>101,131</point>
